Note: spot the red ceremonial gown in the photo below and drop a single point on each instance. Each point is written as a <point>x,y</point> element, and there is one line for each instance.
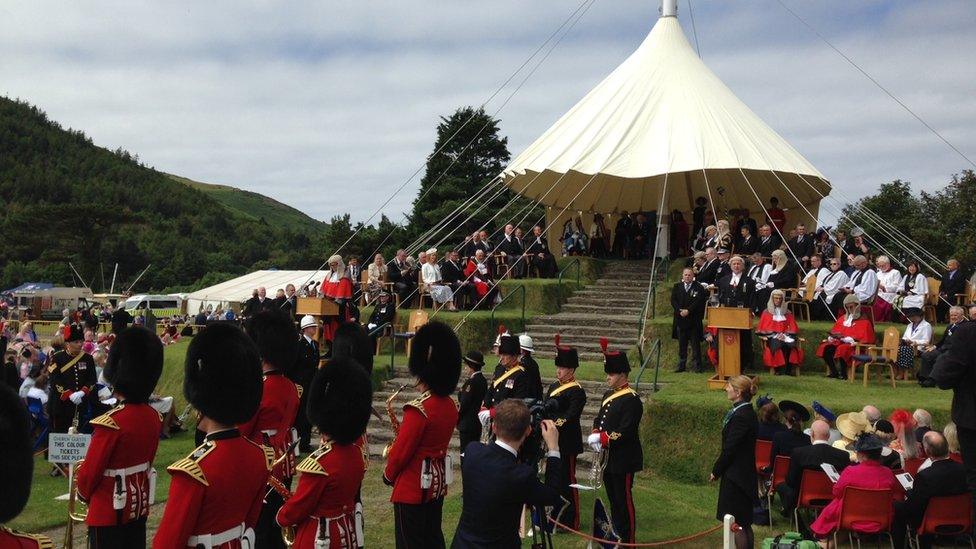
<point>341,289</point>
<point>769,326</point>
<point>870,474</point>
<point>861,330</point>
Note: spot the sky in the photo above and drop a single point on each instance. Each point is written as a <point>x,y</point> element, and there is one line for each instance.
<point>330,107</point>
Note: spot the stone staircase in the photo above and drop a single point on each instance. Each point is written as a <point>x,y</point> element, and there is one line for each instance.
<point>380,433</point>
<point>610,308</point>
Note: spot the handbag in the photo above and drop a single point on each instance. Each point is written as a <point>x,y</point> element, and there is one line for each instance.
<point>788,540</point>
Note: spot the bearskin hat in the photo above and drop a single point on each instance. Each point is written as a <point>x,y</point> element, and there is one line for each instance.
<point>352,341</point>
<point>614,362</point>
<point>15,454</point>
<point>340,400</point>
<point>74,332</point>
<point>273,331</point>
<point>435,357</point>
<point>222,375</point>
<point>135,363</point>
<point>566,357</point>
<point>509,345</point>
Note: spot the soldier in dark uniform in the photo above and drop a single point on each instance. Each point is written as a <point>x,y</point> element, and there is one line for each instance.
<point>116,477</point>
<point>470,397</point>
<point>306,365</point>
<point>418,466</point>
<point>71,378</point>
<point>216,492</point>
<point>383,312</point>
<point>323,507</point>
<point>510,381</point>
<point>16,474</point>
<point>570,399</point>
<point>615,430</point>
<point>530,365</point>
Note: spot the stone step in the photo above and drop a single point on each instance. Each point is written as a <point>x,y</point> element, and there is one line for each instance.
<point>636,294</point>
<point>542,332</point>
<point>591,340</point>
<point>600,310</point>
<point>622,283</point>
<point>613,320</point>
<point>584,355</point>
<point>607,300</point>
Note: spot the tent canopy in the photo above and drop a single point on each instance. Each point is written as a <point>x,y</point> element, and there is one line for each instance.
<point>235,291</point>
<point>661,116</point>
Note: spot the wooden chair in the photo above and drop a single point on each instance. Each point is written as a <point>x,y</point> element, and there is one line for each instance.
<point>816,491</point>
<point>501,266</point>
<point>422,292</point>
<point>802,303</point>
<point>387,332</point>
<point>781,466</point>
<point>418,317</point>
<point>870,355</point>
<point>765,342</point>
<point>932,299</point>
<point>868,308</point>
<point>969,295</point>
<point>363,287</point>
<point>947,516</point>
<point>863,505</point>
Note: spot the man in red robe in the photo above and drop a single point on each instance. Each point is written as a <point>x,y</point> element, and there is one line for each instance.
<point>849,329</point>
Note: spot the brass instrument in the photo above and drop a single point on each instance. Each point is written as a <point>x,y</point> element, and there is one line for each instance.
<point>287,532</point>
<point>74,515</point>
<point>394,422</point>
<point>596,472</point>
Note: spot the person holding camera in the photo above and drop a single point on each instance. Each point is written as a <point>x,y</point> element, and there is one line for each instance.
<point>497,485</point>
<point>566,400</point>
<point>615,430</point>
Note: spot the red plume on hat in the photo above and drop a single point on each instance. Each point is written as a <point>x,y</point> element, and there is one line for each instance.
<point>557,340</point>
<point>566,356</point>
<point>604,343</point>
<point>502,330</point>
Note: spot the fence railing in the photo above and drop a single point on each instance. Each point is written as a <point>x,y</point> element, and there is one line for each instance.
<point>655,353</point>
<point>559,279</point>
<point>519,288</point>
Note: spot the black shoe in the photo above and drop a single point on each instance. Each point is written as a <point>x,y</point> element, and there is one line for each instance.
<point>680,369</point>
<point>927,383</point>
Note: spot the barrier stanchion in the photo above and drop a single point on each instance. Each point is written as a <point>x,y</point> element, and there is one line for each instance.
<point>728,532</point>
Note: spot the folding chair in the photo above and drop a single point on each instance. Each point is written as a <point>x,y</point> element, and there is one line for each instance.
<point>798,303</point>
<point>418,318</point>
<point>864,505</point>
<point>764,451</point>
<point>781,466</point>
<point>363,287</point>
<point>816,491</point>
<point>947,516</point>
<point>886,355</point>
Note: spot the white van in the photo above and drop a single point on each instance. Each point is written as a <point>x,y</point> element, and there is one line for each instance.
<point>161,305</point>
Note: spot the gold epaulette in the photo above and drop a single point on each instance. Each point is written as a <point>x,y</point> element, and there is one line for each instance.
<point>43,542</point>
<point>311,465</point>
<point>105,420</point>
<point>190,466</point>
<point>269,453</point>
<point>300,390</point>
<point>418,403</point>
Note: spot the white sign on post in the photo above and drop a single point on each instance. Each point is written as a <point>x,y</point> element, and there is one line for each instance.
<point>66,448</point>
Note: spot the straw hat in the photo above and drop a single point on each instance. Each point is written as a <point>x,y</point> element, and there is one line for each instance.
<point>853,424</point>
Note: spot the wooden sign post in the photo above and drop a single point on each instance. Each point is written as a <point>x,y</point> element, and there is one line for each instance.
<point>728,320</point>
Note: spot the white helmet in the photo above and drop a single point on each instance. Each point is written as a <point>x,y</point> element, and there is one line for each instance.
<point>525,342</point>
<point>308,321</point>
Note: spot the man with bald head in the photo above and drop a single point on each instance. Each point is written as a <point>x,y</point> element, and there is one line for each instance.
<point>810,458</point>
<point>944,477</point>
<point>872,413</point>
<point>952,283</point>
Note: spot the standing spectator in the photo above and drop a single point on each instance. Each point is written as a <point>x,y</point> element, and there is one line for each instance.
<point>539,255</point>
<point>769,241</point>
<point>736,465</point>
<point>599,237</point>
<point>802,245</point>
<point>746,244</point>
<point>688,298</point>
<point>775,215</point>
<point>956,369</point>
<point>698,214</point>
<point>680,235</point>
<point>621,237</point>
<point>952,283</point>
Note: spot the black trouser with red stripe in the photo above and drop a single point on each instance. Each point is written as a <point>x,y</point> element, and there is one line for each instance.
<point>618,486</point>
<point>569,516</point>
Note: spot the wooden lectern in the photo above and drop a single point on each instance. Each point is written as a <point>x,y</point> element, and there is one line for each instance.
<point>728,320</point>
<point>317,306</point>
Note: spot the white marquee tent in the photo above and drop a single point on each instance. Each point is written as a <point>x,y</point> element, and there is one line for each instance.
<point>663,123</point>
<point>235,291</point>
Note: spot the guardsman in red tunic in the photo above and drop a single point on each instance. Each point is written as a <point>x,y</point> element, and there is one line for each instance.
<point>849,329</point>
<point>216,492</point>
<point>273,424</point>
<point>418,466</point>
<point>116,477</point>
<point>568,399</point>
<point>323,507</point>
<point>16,473</point>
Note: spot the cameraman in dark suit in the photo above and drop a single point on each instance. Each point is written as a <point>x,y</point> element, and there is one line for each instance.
<point>496,485</point>
<point>954,369</point>
<point>688,299</point>
<point>565,400</point>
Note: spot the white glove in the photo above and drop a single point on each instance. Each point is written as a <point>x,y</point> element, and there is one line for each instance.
<point>484,416</point>
<point>76,397</point>
<point>104,393</point>
<point>769,284</point>
<point>594,441</point>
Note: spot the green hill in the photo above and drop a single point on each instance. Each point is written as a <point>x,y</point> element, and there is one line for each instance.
<point>255,206</point>
<point>66,200</point>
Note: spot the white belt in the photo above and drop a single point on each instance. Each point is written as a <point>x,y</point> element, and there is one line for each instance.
<point>210,540</point>
<point>128,470</point>
<point>270,432</point>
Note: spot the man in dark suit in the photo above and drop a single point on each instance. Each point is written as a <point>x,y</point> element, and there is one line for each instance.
<point>706,274</point>
<point>723,263</point>
<point>564,403</point>
<point>957,315</point>
<point>801,245</point>
<point>470,397</point>
<point>944,477</point>
<point>540,258</point>
<point>511,248</point>
<point>747,244</point>
<point>401,276</point>
<point>952,283</point>
<point>736,290</point>
<point>452,274</point>
<point>616,431</point>
<point>809,458</point>
<point>252,305</point>
<point>307,364</point>
<point>688,299</point>
<point>768,241</point>
<point>497,486</point>
<point>954,370</point>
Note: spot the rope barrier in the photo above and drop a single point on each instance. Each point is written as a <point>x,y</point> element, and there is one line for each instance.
<point>683,539</point>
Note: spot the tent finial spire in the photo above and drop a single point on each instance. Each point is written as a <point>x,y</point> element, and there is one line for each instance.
<point>669,8</point>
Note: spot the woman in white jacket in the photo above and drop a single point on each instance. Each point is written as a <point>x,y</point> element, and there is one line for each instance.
<point>431,274</point>
<point>913,288</point>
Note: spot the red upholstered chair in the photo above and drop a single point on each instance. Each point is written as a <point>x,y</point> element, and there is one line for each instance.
<point>947,515</point>
<point>863,505</point>
<point>781,466</point>
<point>816,491</point>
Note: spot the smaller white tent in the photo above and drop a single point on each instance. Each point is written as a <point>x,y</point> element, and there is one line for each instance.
<point>236,291</point>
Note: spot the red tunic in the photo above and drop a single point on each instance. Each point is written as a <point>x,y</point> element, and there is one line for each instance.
<point>219,486</point>
<point>272,423</point>
<point>425,432</point>
<point>480,287</point>
<point>330,480</point>
<point>777,217</point>
<point>10,539</point>
<point>768,325</point>
<point>335,290</point>
<point>125,437</point>
<point>861,330</point>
